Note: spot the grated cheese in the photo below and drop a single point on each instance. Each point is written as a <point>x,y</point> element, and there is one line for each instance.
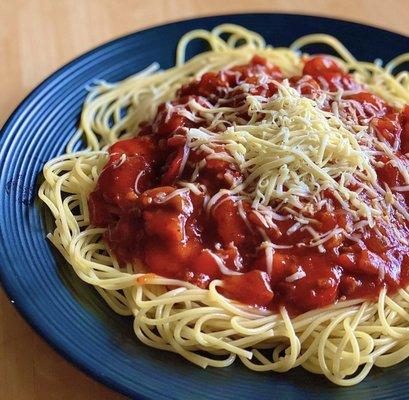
<point>177,192</point>
<point>291,152</point>
<point>295,153</point>
<point>137,181</point>
<point>269,250</point>
<point>296,276</point>
<point>220,263</point>
<point>120,161</point>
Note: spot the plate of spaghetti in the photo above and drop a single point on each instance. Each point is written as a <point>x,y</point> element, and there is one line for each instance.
<point>219,207</point>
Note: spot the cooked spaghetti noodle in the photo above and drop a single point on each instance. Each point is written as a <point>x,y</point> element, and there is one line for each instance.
<point>342,341</point>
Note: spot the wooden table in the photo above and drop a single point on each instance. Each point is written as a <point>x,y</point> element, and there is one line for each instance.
<point>37,37</point>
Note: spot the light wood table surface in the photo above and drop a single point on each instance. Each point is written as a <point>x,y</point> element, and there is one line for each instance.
<point>37,37</point>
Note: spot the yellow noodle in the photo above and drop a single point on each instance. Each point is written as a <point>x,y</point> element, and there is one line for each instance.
<point>342,341</point>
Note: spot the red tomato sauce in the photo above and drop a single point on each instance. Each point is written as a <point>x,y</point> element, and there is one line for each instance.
<point>177,236</point>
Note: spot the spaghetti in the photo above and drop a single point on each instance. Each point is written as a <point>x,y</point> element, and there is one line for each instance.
<point>200,320</point>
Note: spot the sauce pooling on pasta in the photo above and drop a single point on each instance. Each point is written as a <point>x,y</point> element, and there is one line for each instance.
<point>173,207</point>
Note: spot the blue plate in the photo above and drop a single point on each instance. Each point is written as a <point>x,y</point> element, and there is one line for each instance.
<point>69,314</point>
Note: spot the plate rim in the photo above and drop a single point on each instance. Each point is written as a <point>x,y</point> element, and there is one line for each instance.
<point>5,284</point>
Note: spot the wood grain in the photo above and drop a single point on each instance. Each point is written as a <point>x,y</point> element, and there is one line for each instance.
<point>37,37</point>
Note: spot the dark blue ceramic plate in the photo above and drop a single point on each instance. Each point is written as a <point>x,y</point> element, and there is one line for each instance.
<point>69,314</point>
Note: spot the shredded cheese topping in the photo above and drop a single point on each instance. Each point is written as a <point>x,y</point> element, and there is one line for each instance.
<point>292,152</point>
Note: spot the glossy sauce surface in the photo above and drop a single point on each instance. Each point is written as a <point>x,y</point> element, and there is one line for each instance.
<point>153,220</point>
